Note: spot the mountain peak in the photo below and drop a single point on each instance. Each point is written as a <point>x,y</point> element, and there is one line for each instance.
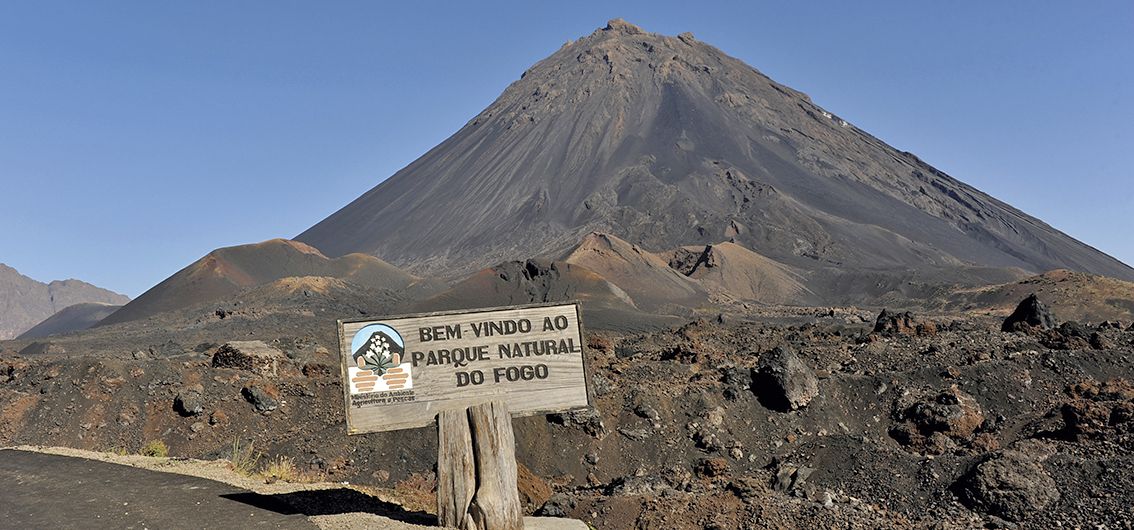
<point>620,25</point>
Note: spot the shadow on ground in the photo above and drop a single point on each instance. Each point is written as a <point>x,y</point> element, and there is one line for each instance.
<point>331,502</point>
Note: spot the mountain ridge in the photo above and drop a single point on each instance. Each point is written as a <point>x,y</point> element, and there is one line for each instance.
<point>25,302</point>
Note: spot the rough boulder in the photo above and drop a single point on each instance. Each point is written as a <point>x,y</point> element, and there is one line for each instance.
<point>935,421</point>
<point>783,381</point>
<point>1030,315</point>
<point>1011,484</point>
<point>1097,410</point>
<point>891,323</point>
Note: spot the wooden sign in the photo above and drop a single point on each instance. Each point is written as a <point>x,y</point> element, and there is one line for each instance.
<point>400,372</point>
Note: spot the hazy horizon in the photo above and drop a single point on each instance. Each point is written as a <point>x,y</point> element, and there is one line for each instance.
<point>141,137</point>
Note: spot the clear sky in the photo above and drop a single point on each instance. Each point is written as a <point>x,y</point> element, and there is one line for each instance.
<point>136,136</point>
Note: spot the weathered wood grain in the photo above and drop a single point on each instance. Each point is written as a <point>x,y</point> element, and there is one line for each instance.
<point>456,470</point>
<point>496,505</point>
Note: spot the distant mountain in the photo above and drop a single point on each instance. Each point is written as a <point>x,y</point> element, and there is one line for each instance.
<point>25,302</point>
<point>667,142</point>
<point>71,318</point>
<point>227,271</point>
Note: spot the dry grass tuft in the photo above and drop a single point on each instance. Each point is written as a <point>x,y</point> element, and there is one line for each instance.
<point>244,459</point>
<point>281,468</point>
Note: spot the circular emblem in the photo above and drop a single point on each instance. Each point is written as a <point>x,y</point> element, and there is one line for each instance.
<point>377,348</point>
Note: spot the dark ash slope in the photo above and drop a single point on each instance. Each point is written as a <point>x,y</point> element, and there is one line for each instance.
<point>71,318</point>
<point>665,142</point>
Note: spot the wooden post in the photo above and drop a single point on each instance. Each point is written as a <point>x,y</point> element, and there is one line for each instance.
<point>477,450</point>
<point>456,470</point>
<point>497,502</point>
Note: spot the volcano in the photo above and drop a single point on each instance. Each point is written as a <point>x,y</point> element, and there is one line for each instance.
<point>668,142</point>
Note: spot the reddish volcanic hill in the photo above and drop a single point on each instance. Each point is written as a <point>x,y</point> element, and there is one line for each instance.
<point>730,270</point>
<point>646,277</point>
<point>667,142</point>
<point>227,271</point>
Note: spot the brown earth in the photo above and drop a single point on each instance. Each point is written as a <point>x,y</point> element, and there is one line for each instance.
<point>537,281</point>
<point>1071,295</point>
<point>679,435</point>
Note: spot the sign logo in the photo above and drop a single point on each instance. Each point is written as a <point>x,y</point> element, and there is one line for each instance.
<point>378,364</point>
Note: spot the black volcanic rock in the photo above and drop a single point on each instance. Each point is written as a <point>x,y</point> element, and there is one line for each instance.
<point>891,323</point>
<point>263,396</point>
<point>783,381</point>
<point>1030,315</point>
<point>668,142</point>
<point>190,401</point>
<point>1012,484</point>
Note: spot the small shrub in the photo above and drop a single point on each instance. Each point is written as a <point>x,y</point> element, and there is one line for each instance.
<point>155,448</point>
<point>244,458</point>
<point>281,468</point>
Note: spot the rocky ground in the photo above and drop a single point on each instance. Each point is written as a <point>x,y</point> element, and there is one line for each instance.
<point>826,421</point>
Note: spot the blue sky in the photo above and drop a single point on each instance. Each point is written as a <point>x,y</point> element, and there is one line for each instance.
<point>137,136</point>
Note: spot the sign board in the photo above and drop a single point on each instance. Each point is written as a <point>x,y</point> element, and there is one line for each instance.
<point>399,372</point>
